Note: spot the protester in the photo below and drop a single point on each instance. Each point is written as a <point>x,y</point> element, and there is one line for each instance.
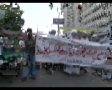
<point>70,68</point>
<point>30,50</point>
<point>22,43</point>
<point>8,45</point>
<point>73,68</point>
<point>106,39</point>
<point>73,34</point>
<point>84,36</point>
<point>49,66</point>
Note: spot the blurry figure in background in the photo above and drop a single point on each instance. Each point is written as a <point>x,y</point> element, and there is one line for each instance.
<point>73,34</point>
<point>1,39</point>
<point>84,36</point>
<point>8,45</point>
<point>71,68</point>
<point>95,38</point>
<point>52,32</point>
<point>22,45</point>
<point>75,69</point>
<point>63,36</point>
<point>106,39</point>
<point>50,66</point>
<point>89,38</point>
<point>22,42</point>
<point>30,50</point>
<point>49,32</point>
<point>79,36</point>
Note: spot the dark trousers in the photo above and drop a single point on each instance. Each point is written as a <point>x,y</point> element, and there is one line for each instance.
<point>51,66</point>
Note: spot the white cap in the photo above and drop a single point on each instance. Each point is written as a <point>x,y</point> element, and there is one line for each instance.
<point>74,31</point>
<point>94,35</point>
<point>84,32</point>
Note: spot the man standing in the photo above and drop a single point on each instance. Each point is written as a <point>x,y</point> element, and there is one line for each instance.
<point>30,50</point>
<point>49,66</point>
<point>106,39</point>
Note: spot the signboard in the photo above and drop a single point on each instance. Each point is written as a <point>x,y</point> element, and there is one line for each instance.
<point>54,50</point>
<point>58,21</point>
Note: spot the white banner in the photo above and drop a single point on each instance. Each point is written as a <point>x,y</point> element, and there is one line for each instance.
<point>77,52</point>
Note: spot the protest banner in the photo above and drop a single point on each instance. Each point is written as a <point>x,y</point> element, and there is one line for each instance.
<point>77,52</point>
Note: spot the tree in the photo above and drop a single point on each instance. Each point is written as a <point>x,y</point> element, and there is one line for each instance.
<point>12,20</point>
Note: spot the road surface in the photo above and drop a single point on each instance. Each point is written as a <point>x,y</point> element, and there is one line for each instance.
<point>59,79</point>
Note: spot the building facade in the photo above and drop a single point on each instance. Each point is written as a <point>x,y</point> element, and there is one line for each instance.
<point>71,14</point>
<point>95,16</point>
<point>92,15</point>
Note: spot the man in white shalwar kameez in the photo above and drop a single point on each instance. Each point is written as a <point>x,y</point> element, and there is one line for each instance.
<point>51,66</point>
<point>72,68</point>
<point>106,39</point>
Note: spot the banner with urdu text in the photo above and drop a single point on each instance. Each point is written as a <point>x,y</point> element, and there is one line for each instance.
<point>70,52</point>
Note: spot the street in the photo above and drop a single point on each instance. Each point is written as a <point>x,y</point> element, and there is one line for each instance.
<point>59,79</point>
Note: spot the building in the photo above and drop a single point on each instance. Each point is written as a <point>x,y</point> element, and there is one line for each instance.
<point>95,16</point>
<point>92,15</point>
<point>71,14</point>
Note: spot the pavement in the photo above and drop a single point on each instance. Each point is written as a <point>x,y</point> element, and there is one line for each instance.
<point>58,79</point>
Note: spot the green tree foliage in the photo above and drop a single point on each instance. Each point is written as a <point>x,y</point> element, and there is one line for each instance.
<point>12,20</point>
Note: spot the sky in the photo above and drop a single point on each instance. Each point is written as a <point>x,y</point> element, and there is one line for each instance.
<point>39,15</point>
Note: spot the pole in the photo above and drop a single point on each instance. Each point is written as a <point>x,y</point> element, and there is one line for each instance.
<point>58,25</point>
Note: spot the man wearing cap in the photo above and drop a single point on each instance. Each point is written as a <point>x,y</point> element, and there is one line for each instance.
<point>106,39</point>
<point>73,34</point>
<point>49,66</point>
<point>70,68</point>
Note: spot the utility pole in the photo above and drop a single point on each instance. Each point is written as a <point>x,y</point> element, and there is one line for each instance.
<point>51,7</point>
<point>58,24</point>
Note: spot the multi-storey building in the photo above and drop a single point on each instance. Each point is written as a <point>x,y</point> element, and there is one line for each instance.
<point>71,14</point>
<point>92,15</point>
<point>96,16</point>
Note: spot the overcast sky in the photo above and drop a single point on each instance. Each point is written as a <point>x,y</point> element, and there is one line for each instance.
<point>40,15</point>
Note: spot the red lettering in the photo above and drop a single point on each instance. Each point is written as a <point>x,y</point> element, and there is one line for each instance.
<point>91,52</point>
